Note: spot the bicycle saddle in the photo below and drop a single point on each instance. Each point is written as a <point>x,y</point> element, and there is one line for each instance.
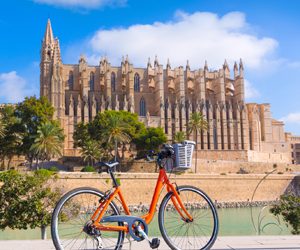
<point>107,164</point>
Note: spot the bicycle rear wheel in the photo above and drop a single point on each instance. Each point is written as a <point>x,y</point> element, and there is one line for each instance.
<point>70,222</point>
<point>180,234</point>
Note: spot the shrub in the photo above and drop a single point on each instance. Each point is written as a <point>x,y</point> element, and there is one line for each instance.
<point>242,171</point>
<point>118,180</point>
<point>290,210</point>
<point>27,200</point>
<point>88,169</point>
<point>53,169</point>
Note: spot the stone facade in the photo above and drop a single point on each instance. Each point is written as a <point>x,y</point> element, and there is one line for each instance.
<point>161,96</point>
<point>294,143</point>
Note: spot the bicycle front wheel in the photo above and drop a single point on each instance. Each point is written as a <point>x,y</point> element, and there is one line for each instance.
<point>179,233</point>
<point>71,226</point>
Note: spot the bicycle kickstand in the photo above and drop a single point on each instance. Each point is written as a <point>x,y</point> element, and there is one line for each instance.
<point>154,243</point>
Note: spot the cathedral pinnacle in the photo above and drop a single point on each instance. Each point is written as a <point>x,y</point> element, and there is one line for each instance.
<point>235,67</point>
<point>168,64</point>
<point>188,65</point>
<point>56,53</point>
<point>156,63</point>
<point>225,66</point>
<point>149,63</point>
<point>205,65</point>
<point>48,37</point>
<point>241,64</point>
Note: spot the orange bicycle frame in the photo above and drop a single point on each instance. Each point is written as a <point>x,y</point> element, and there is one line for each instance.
<point>161,181</point>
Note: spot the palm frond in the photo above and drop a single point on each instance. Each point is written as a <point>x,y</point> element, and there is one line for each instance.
<point>48,142</point>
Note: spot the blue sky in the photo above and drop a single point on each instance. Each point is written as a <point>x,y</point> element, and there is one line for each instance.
<point>264,33</point>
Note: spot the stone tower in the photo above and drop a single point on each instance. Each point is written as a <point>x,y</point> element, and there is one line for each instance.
<point>51,73</point>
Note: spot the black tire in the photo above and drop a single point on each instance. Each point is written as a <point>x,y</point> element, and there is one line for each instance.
<point>179,234</point>
<point>71,213</point>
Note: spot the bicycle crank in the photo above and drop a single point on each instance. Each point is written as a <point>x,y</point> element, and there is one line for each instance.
<point>154,243</point>
<point>133,224</point>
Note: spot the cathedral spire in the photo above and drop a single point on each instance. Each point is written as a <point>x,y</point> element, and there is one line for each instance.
<point>235,67</point>
<point>48,37</point>
<point>187,65</point>
<point>56,53</point>
<point>205,65</point>
<point>168,64</point>
<point>225,66</point>
<point>149,63</point>
<point>241,64</point>
<point>156,63</point>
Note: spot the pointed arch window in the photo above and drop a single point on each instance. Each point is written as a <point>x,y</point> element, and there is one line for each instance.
<point>113,81</point>
<point>92,81</point>
<point>71,80</point>
<point>142,107</point>
<point>136,82</point>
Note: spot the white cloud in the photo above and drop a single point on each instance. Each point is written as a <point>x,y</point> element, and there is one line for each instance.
<point>292,118</point>
<point>250,91</point>
<point>86,4</point>
<point>13,87</point>
<point>198,37</point>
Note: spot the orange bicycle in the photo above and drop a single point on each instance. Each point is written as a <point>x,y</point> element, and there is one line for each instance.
<point>86,218</point>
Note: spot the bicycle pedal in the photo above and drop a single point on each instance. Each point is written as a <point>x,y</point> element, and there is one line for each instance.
<point>155,243</point>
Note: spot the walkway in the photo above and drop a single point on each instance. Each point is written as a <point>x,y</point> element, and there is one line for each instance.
<point>222,243</point>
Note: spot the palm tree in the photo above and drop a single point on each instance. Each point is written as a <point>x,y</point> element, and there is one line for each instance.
<point>179,137</point>
<point>48,142</point>
<point>2,127</point>
<point>116,132</point>
<point>91,151</point>
<point>196,124</point>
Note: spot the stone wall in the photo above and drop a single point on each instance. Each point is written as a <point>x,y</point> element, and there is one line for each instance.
<point>138,187</point>
<point>255,156</point>
<point>228,167</point>
<point>218,167</point>
<point>245,155</point>
<point>226,155</point>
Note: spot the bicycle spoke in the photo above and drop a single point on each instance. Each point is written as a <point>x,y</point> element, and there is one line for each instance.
<point>181,234</point>
<point>72,230</point>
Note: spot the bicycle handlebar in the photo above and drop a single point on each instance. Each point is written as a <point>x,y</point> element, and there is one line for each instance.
<point>166,151</point>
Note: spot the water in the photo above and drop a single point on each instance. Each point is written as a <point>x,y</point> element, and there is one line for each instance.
<point>233,221</point>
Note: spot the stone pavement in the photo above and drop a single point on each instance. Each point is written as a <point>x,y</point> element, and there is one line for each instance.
<point>222,243</point>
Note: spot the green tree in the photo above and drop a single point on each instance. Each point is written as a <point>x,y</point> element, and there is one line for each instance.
<point>150,139</point>
<point>110,129</point>
<point>116,132</point>
<point>289,208</point>
<point>179,137</point>
<point>26,200</point>
<point>91,151</point>
<point>196,124</point>
<point>11,140</point>
<point>2,127</point>
<point>32,113</point>
<point>48,142</point>
<point>132,125</point>
<point>81,134</point>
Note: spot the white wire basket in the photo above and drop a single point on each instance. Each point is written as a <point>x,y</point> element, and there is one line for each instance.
<point>183,156</point>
